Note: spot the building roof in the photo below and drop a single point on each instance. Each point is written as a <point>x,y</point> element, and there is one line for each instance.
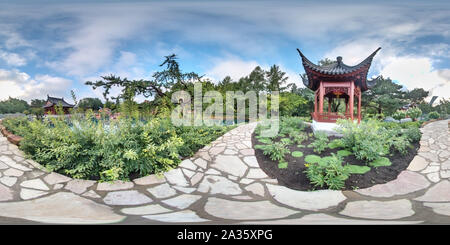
<point>337,71</point>
<point>55,101</point>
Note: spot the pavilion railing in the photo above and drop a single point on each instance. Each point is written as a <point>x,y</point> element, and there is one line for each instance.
<point>329,116</point>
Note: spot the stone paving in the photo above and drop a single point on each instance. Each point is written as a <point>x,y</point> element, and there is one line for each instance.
<point>223,184</point>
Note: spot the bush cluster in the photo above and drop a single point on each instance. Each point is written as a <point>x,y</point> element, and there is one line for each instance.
<point>86,148</point>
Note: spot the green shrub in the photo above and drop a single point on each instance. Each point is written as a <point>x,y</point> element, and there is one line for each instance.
<point>400,144</point>
<point>398,115</point>
<point>368,140</point>
<point>336,143</point>
<point>90,149</point>
<point>414,113</point>
<point>413,134</point>
<point>275,151</point>
<point>433,115</point>
<point>300,137</point>
<point>16,125</point>
<point>329,172</point>
<point>320,143</point>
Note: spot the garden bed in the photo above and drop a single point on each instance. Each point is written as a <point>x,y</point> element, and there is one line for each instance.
<point>294,175</point>
<point>291,169</point>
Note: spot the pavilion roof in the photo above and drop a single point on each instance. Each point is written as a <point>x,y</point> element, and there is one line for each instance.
<point>337,71</point>
<point>55,101</point>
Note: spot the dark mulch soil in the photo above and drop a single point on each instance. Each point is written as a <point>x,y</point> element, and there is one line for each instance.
<point>294,177</point>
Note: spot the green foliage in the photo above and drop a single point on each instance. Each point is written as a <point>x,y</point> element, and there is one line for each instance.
<point>343,153</point>
<point>433,115</point>
<point>368,140</point>
<point>336,143</point>
<point>275,151</point>
<point>286,141</point>
<point>13,105</point>
<point>86,148</point>
<point>400,144</point>
<point>297,154</point>
<point>90,103</point>
<point>282,164</point>
<point>16,125</point>
<point>413,134</point>
<point>382,161</point>
<point>399,114</point>
<point>320,143</point>
<point>329,172</point>
<point>300,137</point>
<point>265,140</point>
<point>355,169</point>
<point>312,159</point>
<point>414,113</point>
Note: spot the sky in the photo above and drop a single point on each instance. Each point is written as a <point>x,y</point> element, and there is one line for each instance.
<point>52,47</point>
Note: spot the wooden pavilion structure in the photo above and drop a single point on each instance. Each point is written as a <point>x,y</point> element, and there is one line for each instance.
<point>337,81</point>
<point>49,106</point>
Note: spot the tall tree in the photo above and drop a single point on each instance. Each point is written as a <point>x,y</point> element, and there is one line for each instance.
<point>276,79</point>
<point>384,97</point>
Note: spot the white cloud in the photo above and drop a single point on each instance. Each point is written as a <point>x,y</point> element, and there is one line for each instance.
<point>16,84</point>
<point>12,59</point>
<point>418,72</point>
<point>233,67</point>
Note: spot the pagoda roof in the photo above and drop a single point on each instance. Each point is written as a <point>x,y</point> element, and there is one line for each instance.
<point>337,71</point>
<point>55,101</point>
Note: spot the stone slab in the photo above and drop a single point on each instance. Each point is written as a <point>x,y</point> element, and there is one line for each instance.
<point>406,182</point>
<point>147,209</point>
<point>230,164</point>
<point>162,191</point>
<point>186,216</point>
<point>309,200</point>
<point>437,193</point>
<point>240,210</point>
<point>387,210</point>
<point>61,208</point>
<point>182,201</point>
<point>219,185</point>
<point>126,198</point>
<point>114,186</point>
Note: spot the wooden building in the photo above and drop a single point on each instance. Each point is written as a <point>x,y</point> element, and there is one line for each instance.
<point>337,81</point>
<point>52,102</point>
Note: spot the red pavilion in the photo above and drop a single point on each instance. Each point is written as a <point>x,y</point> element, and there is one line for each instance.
<point>337,81</point>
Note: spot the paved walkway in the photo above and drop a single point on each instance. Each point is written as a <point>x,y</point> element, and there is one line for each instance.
<point>223,184</point>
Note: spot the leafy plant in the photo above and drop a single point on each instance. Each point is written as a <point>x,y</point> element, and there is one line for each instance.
<point>355,169</point>
<point>320,143</point>
<point>413,134</point>
<point>329,172</point>
<point>414,113</point>
<point>297,154</point>
<point>400,144</point>
<point>275,151</point>
<point>300,137</point>
<point>433,115</point>
<point>312,159</point>
<point>399,114</point>
<point>382,161</point>
<point>343,153</point>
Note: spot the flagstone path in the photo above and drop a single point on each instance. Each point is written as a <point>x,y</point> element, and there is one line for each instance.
<point>223,184</point>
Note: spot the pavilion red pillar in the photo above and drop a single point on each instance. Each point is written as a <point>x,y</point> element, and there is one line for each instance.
<point>321,94</point>
<point>352,94</point>
<point>315,101</point>
<point>359,105</point>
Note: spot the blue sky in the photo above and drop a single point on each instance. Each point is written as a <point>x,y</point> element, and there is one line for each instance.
<point>51,47</point>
